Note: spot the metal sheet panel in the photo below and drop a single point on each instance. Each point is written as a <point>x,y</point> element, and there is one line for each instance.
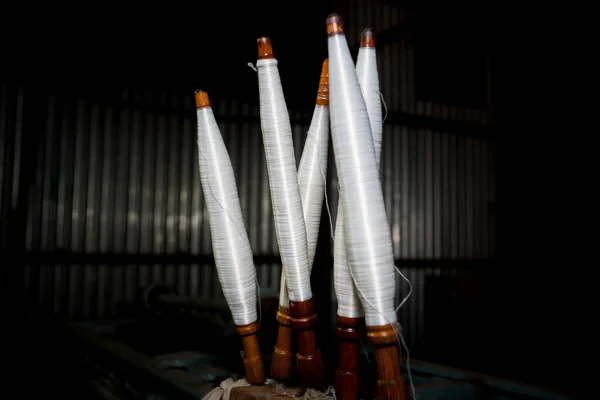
<point>117,191</point>
<point>124,181</point>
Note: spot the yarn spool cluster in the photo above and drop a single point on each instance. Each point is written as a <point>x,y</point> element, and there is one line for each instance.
<point>368,240</point>
<point>364,276</point>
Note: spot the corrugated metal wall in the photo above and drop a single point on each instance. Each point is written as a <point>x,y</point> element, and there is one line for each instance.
<point>113,181</point>
<point>116,203</point>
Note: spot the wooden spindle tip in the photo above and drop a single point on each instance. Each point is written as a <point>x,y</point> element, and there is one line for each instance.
<point>367,38</point>
<point>334,25</point>
<point>255,373</point>
<point>323,92</point>
<point>253,363</point>
<point>282,363</point>
<point>202,100</point>
<point>265,48</point>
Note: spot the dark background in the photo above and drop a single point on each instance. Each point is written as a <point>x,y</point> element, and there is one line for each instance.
<point>530,315</point>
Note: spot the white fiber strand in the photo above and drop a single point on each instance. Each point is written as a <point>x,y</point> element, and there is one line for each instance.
<point>283,181</point>
<point>368,238</point>
<point>312,175</point>
<point>349,304</point>
<point>231,247</point>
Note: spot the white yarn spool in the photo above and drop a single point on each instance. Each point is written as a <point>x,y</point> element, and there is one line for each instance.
<point>368,238</point>
<point>283,181</point>
<point>312,175</point>
<point>231,247</point>
<point>368,79</point>
<point>349,304</point>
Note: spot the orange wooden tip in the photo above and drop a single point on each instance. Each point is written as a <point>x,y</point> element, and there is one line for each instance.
<point>201,99</point>
<point>323,92</point>
<point>334,25</point>
<point>367,38</point>
<point>265,48</point>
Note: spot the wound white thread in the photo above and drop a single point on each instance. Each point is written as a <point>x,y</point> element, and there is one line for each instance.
<point>410,288</point>
<point>231,247</point>
<point>384,106</point>
<point>312,177</point>
<point>368,237</point>
<point>367,77</point>
<point>253,67</point>
<point>283,181</point>
<point>349,304</point>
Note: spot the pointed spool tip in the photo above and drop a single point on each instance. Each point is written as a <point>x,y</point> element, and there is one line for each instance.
<point>265,48</point>
<point>334,25</point>
<point>202,100</point>
<point>323,92</point>
<point>367,38</point>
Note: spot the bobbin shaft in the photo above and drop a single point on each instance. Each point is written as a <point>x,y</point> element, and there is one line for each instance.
<point>390,383</point>
<point>308,358</point>
<point>349,332</point>
<point>282,360</point>
<point>253,363</point>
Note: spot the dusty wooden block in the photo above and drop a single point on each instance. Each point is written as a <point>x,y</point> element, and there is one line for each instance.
<point>263,392</point>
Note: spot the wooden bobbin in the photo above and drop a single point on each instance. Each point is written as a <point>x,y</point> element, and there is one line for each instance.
<point>347,378</point>
<point>252,358</point>
<point>390,383</point>
<point>308,358</point>
<point>282,361</point>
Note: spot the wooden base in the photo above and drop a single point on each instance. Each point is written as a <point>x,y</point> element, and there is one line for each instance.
<point>252,358</point>
<point>308,358</point>
<point>390,384</point>
<point>282,361</point>
<point>349,332</point>
<point>264,392</point>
